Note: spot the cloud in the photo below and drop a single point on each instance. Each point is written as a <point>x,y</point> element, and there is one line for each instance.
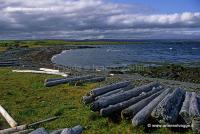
<point>90,19</point>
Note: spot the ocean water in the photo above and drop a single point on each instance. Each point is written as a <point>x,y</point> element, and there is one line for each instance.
<point>123,55</point>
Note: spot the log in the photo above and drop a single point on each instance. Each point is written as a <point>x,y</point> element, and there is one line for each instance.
<point>184,112</point>
<point>87,99</point>
<point>196,125</point>
<point>120,106</point>
<point>102,90</point>
<point>43,121</point>
<point>96,79</point>
<point>167,110</point>
<point>67,80</point>
<point>39,131</point>
<point>115,91</point>
<point>120,97</point>
<point>26,131</point>
<point>142,116</point>
<point>131,111</point>
<point>8,118</point>
<point>194,106</point>
<point>54,79</point>
<point>12,130</point>
<point>75,130</point>
<point>57,131</point>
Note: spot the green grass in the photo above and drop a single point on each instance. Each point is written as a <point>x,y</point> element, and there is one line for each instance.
<point>27,100</point>
<point>41,43</point>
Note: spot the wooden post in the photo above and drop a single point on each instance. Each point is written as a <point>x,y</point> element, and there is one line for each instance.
<point>167,110</point>
<point>8,118</point>
<point>142,116</point>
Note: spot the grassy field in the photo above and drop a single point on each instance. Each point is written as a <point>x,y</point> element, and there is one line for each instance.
<point>27,100</point>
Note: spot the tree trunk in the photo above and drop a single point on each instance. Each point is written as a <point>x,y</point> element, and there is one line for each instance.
<point>102,90</point>
<point>184,112</point>
<point>120,90</point>
<point>168,109</point>
<point>194,106</point>
<point>67,80</point>
<point>120,106</point>
<point>142,116</point>
<point>131,111</point>
<point>119,97</point>
<point>8,118</point>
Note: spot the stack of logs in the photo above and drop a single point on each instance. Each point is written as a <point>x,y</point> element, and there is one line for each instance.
<point>73,80</point>
<point>140,103</point>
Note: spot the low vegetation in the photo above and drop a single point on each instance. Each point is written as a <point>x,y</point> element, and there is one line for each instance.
<point>27,100</point>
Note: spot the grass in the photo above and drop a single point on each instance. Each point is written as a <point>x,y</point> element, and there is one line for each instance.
<point>27,100</point>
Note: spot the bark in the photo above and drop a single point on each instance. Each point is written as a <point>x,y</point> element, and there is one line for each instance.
<point>12,130</point>
<point>115,91</point>
<point>75,130</point>
<point>39,131</point>
<point>167,110</point>
<point>120,106</point>
<point>102,90</point>
<point>7,117</point>
<point>143,115</point>
<point>67,80</point>
<point>194,106</point>
<point>131,111</point>
<point>120,97</point>
<point>184,112</point>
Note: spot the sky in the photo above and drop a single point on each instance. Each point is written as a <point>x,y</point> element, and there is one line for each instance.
<point>99,19</point>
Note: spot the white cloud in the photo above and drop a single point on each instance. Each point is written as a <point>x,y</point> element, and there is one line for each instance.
<point>88,18</point>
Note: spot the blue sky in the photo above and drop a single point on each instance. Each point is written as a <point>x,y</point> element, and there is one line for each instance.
<point>100,19</point>
<point>167,6</point>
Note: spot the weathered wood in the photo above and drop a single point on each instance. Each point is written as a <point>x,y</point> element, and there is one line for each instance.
<point>12,130</point>
<point>8,118</point>
<point>43,121</point>
<point>120,97</point>
<point>142,116</point>
<point>67,80</point>
<point>120,106</point>
<point>40,72</point>
<point>24,131</point>
<point>167,110</point>
<point>184,112</point>
<point>115,91</point>
<point>131,111</point>
<point>75,130</point>
<point>87,99</point>
<point>39,131</point>
<point>196,125</point>
<point>194,106</point>
<point>102,90</point>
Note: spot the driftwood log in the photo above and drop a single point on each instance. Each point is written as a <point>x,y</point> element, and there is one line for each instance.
<point>131,111</point>
<point>115,91</point>
<point>119,97</point>
<point>194,106</point>
<point>142,116</point>
<point>13,130</point>
<point>102,90</point>
<point>167,110</point>
<point>75,130</point>
<point>89,99</point>
<point>8,118</point>
<point>39,131</point>
<point>67,80</point>
<point>184,112</point>
<point>120,106</point>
